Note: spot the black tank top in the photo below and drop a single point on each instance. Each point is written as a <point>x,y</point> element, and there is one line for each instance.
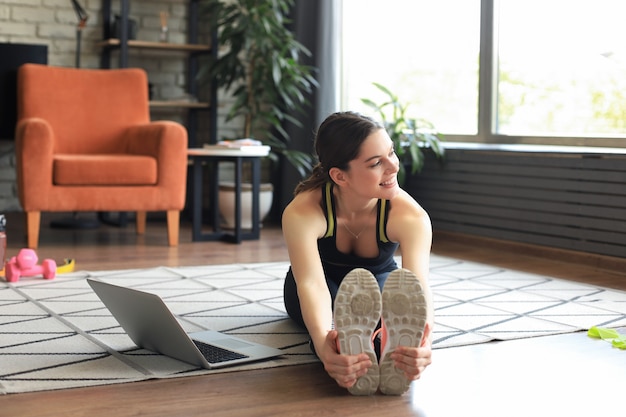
<point>337,264</point>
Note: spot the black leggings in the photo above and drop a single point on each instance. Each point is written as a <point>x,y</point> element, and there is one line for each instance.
<point>292,301</point>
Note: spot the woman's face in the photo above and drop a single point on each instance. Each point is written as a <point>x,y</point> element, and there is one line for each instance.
<point>374,171</point>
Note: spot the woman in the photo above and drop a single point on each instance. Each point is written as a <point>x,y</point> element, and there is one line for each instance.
<point>351,214</point>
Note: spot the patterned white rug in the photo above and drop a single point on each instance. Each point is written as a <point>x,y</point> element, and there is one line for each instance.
<point>57,334</point>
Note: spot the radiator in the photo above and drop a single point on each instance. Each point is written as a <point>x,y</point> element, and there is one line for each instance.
<point>574,201</point>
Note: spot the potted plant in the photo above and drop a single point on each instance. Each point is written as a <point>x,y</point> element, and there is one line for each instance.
<point>410,136</point>
<point>260,65</point>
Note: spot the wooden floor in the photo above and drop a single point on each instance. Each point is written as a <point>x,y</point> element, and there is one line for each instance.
<point>558,375</point>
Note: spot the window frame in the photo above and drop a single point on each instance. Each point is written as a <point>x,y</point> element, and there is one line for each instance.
<point>488,102</point>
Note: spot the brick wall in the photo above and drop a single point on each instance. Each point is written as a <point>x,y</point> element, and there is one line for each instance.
<point>53,23</point>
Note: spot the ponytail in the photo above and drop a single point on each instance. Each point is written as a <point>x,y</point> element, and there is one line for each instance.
<point>318,178</point>
<point>337,142</point>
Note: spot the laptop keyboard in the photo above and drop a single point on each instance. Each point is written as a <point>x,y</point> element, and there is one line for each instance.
<point>215,354</point>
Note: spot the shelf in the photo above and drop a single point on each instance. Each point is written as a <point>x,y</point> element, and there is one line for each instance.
<point>115,43</point>
<point>164,46</point>
<point>178,104</point>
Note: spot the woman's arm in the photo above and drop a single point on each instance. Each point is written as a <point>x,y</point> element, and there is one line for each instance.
<point>303,223</point>
<point>410,225</point>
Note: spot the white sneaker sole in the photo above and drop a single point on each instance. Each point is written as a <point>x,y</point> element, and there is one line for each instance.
<point>404,317</point>
<point>357,312</point>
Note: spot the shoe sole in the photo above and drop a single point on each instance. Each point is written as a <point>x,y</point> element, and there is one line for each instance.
<point>404,317</point>
<point>358,306</point>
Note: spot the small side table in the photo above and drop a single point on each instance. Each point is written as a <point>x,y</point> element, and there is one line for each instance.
<point>210,156</point>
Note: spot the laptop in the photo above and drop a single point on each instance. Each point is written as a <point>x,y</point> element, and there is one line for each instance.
<point>152,326</point>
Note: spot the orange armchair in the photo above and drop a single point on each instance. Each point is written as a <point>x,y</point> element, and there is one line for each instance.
<point>85,142</point>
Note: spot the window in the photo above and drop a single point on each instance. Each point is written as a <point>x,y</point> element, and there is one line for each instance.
<point>562,67</point>
<point>426,52</point>
<point>559,66</point>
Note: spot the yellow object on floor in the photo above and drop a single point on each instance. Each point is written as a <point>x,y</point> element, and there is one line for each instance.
<point>68,266</point>
<point>617,339</point>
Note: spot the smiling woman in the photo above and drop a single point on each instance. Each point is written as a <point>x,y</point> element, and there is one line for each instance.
<point>342,230</point>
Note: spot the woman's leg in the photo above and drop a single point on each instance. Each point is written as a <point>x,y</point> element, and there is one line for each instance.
<point>291,299</point>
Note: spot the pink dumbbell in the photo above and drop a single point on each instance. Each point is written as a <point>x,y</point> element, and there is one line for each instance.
<point>25,264</point>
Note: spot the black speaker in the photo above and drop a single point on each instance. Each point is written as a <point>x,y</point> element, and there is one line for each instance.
<point>12,55</point>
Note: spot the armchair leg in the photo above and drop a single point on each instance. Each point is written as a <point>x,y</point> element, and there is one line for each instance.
<point>140,222</point>
<point>173,227</point>
<point>33,220</point>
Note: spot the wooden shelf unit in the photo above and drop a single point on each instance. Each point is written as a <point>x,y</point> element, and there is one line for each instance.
<point>192,50</point>
<point>138,44</point>
<point>179,103</point>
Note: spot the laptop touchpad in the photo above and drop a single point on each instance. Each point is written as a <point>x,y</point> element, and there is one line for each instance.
<point>232,343</point>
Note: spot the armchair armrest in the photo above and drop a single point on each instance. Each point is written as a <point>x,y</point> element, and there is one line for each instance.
<point>34,147</point>
<point>167,142</point>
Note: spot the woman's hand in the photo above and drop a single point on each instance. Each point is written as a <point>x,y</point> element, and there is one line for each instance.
<point>345,369</point>
<point>414,360</point>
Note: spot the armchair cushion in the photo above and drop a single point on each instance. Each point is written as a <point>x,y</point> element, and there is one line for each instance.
<point>104,170</point>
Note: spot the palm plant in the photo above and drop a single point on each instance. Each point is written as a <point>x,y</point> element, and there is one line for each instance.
<point>260,64</point>
<point>410,136</point>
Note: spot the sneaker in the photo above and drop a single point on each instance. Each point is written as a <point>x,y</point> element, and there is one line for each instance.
<point>404,319</point>
<point>357,313</point>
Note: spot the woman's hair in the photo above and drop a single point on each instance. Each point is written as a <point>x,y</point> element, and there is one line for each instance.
<point>337,142</point>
